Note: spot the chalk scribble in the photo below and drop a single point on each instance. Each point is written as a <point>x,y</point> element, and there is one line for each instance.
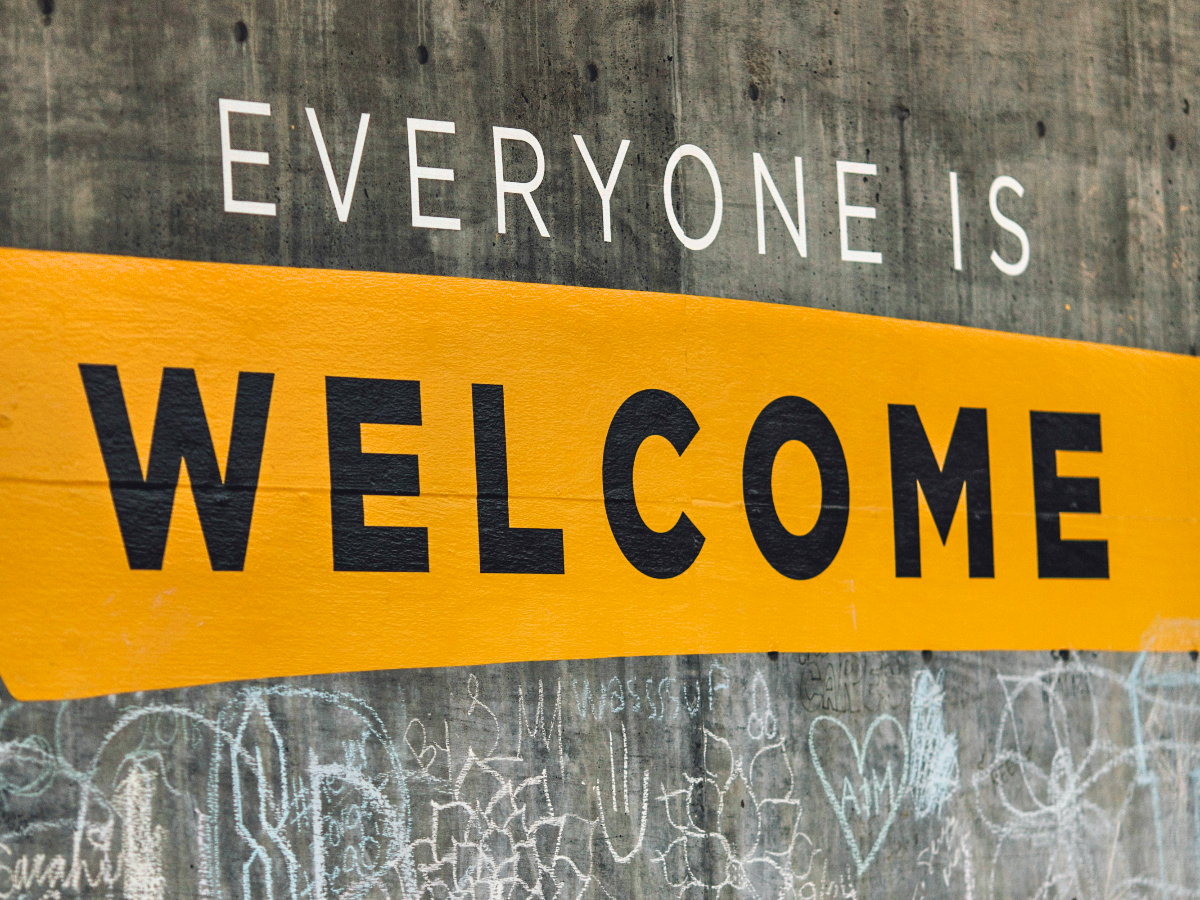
<point>698,779</point>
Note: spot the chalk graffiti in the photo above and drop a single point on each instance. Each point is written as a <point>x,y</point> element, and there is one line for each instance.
<point>923,764</point>
<point>1081,757</point>
<point>933,754</point>
<point>697,779</point>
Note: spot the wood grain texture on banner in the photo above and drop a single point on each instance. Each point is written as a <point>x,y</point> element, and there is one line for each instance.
<point>558,517</point>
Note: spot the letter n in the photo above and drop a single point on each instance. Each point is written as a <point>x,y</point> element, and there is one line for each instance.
<point>181,434</point>
<point>966,466</point>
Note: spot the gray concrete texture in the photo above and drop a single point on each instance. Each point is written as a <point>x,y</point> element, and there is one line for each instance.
<point>111,144</point>
<point>1046,776</point>
<point>751,777</point>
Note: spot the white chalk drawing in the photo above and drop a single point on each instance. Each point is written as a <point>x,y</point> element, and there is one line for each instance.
<point>932,753</point>
<point>732,826</point>
<point>926,769</point>
<point>653,697</point>
<point>1083,756</point>
<point>141,850</point>
<point>618,780</point>
<point>947,856</point>
<point>873,792</point>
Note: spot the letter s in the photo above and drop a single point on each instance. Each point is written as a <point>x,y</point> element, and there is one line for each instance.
<point>1014,269</point>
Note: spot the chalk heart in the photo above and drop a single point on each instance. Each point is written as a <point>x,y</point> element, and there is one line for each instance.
<point>879,755</point>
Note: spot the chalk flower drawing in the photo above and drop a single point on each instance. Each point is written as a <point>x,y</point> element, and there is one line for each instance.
<point>1080,753</point>
<point>734,825</point>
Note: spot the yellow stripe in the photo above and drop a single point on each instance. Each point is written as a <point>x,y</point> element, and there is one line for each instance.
<point>78,621</point>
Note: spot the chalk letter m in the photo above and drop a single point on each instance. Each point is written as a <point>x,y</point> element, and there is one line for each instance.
<point>181,434</point>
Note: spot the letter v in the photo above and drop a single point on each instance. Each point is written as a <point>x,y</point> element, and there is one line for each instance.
<point>342,205</point>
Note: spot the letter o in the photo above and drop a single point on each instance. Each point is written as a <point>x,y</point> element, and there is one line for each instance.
<point>669,177</point>
<point>799,556</point>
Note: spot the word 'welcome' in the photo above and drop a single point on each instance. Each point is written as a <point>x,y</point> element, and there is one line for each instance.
<point>225,505</point>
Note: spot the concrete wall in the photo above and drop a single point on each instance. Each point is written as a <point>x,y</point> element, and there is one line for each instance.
<point>112,144</point>
<point>970,776</point>
<point>983,777</point>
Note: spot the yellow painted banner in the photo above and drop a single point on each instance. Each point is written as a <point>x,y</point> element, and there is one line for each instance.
<point>213,472</point>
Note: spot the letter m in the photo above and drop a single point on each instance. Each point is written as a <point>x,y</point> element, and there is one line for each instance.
<point>966,466</point>
<point>181,434</point>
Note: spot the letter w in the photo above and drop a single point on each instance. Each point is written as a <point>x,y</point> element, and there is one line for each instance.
<point>181,434</point>
<point>966,465</point>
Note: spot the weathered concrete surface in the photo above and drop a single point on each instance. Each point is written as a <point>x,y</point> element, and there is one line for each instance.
<point>793,778</point>
<point>111,143</point>
<point>962,776</point>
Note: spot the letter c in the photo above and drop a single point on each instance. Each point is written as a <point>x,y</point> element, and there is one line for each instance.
<point>659,554</point>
